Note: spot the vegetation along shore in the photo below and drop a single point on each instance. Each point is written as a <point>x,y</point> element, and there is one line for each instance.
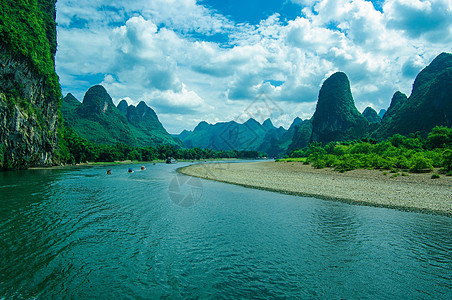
<point>370,187</point>
<point>403,172</point>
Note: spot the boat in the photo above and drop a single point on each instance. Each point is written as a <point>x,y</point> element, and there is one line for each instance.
<point>171,160</point>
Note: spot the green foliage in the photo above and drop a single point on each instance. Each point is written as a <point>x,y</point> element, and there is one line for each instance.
<point>447,159</point>
<point>440,137</point>
<point>27,29</point>
<point>419,163</point>
<point>75,149</point>
<point>397,153</point>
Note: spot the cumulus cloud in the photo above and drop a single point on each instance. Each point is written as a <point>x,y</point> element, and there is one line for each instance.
<point>158,51</point>
<point>429,18</point>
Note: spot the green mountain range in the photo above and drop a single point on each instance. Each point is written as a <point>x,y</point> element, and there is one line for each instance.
<point>337,119</point>
<point>249,136</point>
<point>429,105</point>
<point>98,120</point>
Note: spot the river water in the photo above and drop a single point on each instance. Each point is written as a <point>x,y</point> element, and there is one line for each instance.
<point>78,233</point>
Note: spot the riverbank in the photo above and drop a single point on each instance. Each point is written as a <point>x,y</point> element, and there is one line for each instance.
<point>127,162</point>
<point>369,187</point>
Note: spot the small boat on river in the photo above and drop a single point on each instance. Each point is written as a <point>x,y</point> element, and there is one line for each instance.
<point>171,160</point>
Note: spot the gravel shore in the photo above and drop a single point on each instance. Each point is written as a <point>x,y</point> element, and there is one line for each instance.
<point>370,187</point>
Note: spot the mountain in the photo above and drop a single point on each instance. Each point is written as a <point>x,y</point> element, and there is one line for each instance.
<point>146,126</point>
<point>98,120</point>
<point>302,135</point>
<point>371,115</point>
<point>381,113</point>
<point>249,136</point>
<point>69,107</point>
<point>297,121</point>
<point>122,106</point>
<point>29,88</point>
<point>429,105</point>
<point>285,143</point>
<point>336,117</point>
<point>386,126</point>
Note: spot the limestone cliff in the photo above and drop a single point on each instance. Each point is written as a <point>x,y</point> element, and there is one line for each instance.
<point>336,117</point>
<point>29,90</point>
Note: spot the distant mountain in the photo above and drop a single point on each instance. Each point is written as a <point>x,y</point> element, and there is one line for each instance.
<point>371,115</point>
<point>98,120</point>
<point>381,113</point>
<point>297,121</point>
<point>336,117</point>
<point>285,143</point>
<point>122,106</point>
<point>302,135</point>
<point>429,105</point>
<point>249,136</point>
<point>386,125</point>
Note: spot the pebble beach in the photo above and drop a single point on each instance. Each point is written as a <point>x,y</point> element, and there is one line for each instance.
<point>407,191</point>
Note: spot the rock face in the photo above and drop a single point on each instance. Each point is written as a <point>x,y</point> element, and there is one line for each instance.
<point>429,105</point>
<point>29,89</point>
<point>249,136</point>
<point>98,120</point>
<point>336,117</point>
<point>371,115</point>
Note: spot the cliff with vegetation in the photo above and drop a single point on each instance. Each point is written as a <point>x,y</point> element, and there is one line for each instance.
<point>29,89</point>
<point>336,117</point>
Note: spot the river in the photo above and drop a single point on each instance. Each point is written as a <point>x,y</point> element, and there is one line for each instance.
<point>79,233</point>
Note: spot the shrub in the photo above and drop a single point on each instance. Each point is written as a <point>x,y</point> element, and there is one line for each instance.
<point>447,159</point>
<point>419,163</point>
<point>435,176</point>
<point>347,163</point>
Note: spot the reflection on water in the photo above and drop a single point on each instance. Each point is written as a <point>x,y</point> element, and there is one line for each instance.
<point>78,233</point>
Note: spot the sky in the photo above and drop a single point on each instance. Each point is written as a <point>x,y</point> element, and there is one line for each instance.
<point>223,60</point>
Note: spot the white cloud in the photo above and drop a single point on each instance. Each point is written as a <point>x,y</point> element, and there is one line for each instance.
<point>431,19</point>
<point>146,50</point>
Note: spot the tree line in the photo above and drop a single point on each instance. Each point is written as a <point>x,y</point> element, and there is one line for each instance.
<point>407,153</point>
<point>74,149</point>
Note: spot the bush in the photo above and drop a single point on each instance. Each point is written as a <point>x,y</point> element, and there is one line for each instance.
<point>347,163</point>
<point>447,159</point>
<point>435,176</point>
<point>419,163</point>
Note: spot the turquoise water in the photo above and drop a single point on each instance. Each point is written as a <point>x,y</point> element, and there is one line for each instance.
<point>78,233</point>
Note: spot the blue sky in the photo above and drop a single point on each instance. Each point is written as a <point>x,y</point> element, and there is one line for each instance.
<point>210,60</point>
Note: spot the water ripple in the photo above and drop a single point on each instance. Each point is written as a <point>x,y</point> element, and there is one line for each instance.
<point>81,234</point>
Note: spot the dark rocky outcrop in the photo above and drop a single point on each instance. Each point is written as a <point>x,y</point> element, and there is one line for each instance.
<point>336,117</point>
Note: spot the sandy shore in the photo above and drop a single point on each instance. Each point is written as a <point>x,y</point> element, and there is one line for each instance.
<point>370,187</point>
